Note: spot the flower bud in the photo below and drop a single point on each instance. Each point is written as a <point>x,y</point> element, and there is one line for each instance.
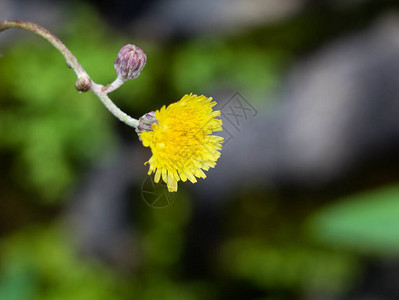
<point>130,62</point>
<point>83,84</point>
<point>145,122</point>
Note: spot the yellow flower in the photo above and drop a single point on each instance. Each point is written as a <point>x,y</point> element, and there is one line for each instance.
<point>181,141</point>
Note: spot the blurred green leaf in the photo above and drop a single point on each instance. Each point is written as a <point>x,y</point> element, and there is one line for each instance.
<point>368,222</point>
<point>17,281</point>
<point>288,266</point>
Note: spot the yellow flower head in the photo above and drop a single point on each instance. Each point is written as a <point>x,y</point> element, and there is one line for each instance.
<point>181,141</point>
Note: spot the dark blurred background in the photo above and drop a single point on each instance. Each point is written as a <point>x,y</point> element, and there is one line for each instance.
<point>304,201</point>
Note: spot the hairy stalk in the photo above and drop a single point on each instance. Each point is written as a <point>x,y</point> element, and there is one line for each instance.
<point>84,82</point>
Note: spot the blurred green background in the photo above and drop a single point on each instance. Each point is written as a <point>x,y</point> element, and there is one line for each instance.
<point>272,242</point>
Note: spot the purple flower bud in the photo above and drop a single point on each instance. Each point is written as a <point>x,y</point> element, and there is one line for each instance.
<point>145,122</point>
<point>130,62</point>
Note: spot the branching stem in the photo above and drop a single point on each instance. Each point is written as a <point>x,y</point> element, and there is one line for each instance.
<point>84,83</point>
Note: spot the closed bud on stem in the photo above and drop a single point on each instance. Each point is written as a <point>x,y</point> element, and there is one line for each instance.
<point>83,84</point>
<point>130,62</point>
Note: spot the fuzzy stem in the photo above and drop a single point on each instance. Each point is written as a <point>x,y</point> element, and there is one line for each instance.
<point>117,83</point>
<point>125,118</point>
<point>84,82</point>
<point>52,39</point>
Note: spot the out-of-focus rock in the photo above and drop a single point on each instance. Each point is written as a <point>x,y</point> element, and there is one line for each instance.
<point>171,17</point>
<point>338,112</point>
<point>48,14</point>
